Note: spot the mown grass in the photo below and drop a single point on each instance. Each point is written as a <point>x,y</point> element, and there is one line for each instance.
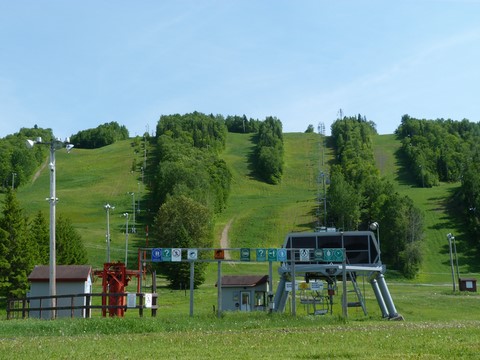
<point>282,338</point>
<point>86,181</point>
<point>262,214</point>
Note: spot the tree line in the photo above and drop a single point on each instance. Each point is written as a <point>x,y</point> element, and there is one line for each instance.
<point>102,135</point>
<point>191,185</point>
<point>269,150</point>
<point>18,162</point>
<point>358,196</point>
<point>25,243</point>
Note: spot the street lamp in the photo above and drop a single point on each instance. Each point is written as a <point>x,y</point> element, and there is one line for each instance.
<point>133,212</point>
<point>54,144</point>
<point>451,239</point>
<point>126,240</point>
<point>375,226</point>
<point>107,208</point>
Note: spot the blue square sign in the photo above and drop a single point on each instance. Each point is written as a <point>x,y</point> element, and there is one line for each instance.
<point>157,255</point>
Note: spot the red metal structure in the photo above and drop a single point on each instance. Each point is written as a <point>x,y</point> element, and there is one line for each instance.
<point>115,278</point>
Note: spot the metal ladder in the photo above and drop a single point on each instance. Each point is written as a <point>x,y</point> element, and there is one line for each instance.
<point>356,289</point>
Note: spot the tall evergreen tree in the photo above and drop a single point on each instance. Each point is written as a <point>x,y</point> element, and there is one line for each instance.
<point>39,230</point>
<point>21,252</point>
<point>70,248</point>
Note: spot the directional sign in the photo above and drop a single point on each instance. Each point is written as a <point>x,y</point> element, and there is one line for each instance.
<point>272,254</point>
<point>282,254</point>
<point>318,253</point>
<point>245,254</point>
<point>167,255</point>
<point>304,254</point>
<point>177,255</point>
<point>156,255</point>
<point>261,254</point>
<point>192,254</point>
<point>332,255</point>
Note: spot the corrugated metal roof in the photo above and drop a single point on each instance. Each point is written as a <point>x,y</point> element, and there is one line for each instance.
<point>243,280</point>
<point>63,273</point>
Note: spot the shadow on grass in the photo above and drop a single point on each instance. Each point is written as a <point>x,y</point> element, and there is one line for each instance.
<point>467,251</point>
<point>404,175</point>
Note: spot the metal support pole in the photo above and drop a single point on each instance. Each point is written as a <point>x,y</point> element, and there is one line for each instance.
<point>192,276</point>
<point>379,297</point>
<point>270,286</point>
<point>53,201</point>
<point>126,240</point>
<point>456,259</point>
<point>294,290</point>
<point>392,311</point>
<point>108,207</point>
<point>344,282</point>
<point>449,237</point>
<point>219,290</point>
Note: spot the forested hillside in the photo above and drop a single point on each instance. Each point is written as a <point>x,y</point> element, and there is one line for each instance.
<point>195,177</point>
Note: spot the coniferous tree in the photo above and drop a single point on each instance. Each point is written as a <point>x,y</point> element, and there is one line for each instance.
<point>40,231</point>
<point>21,252</point>
<point>70,248</point>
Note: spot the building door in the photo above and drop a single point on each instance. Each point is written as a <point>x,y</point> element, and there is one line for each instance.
<point>245,303</point>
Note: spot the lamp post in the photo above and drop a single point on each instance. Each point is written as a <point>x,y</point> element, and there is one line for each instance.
<point>54,144</point>
<point>133,212</point>
<point>451,238</point>
<point>375,226</point>
<point>126,240</point>
<point>107,208</point>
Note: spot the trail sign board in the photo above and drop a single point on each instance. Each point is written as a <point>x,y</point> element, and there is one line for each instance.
<point>192,254</point>
<point>156,255</point>
<point>261,254</point>
<point>219,254</point>
<point>167,255</point>
<point>281,254</point>
<point>272,254</point>
<point>245,254</point>
<point>177,255</point>
<point>304,254</point>
<point>329,254</point>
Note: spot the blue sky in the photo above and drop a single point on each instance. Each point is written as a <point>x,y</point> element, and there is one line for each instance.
<point>73,65</point>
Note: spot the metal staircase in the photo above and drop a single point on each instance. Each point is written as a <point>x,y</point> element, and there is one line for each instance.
<point>356,289</point>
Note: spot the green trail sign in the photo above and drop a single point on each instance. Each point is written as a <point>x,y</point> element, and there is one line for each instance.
<point>329,254</point>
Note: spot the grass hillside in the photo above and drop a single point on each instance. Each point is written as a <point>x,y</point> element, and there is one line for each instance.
<point>86,181</point>
<point>257,215</point>
<point>261,214</point>
<point>434,203</point>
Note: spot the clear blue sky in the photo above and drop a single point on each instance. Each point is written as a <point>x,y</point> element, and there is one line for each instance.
<point>73,65</point>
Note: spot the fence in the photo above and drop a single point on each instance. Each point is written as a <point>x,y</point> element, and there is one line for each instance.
<point>77,305</point>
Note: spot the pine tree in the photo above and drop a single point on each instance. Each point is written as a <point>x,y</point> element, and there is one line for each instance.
<point>70,248</point>
<point>39,230</point>
<point>20,252</point>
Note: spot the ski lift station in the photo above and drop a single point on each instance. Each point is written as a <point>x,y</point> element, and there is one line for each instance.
<point>333,257</point>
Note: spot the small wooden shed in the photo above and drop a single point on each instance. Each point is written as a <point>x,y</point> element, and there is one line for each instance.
<point>244,292</point>
<point>70,280</point>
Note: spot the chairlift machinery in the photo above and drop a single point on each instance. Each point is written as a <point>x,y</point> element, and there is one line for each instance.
<point>362,258</point>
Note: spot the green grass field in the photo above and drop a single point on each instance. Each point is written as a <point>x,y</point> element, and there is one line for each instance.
<point>438,323</point>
